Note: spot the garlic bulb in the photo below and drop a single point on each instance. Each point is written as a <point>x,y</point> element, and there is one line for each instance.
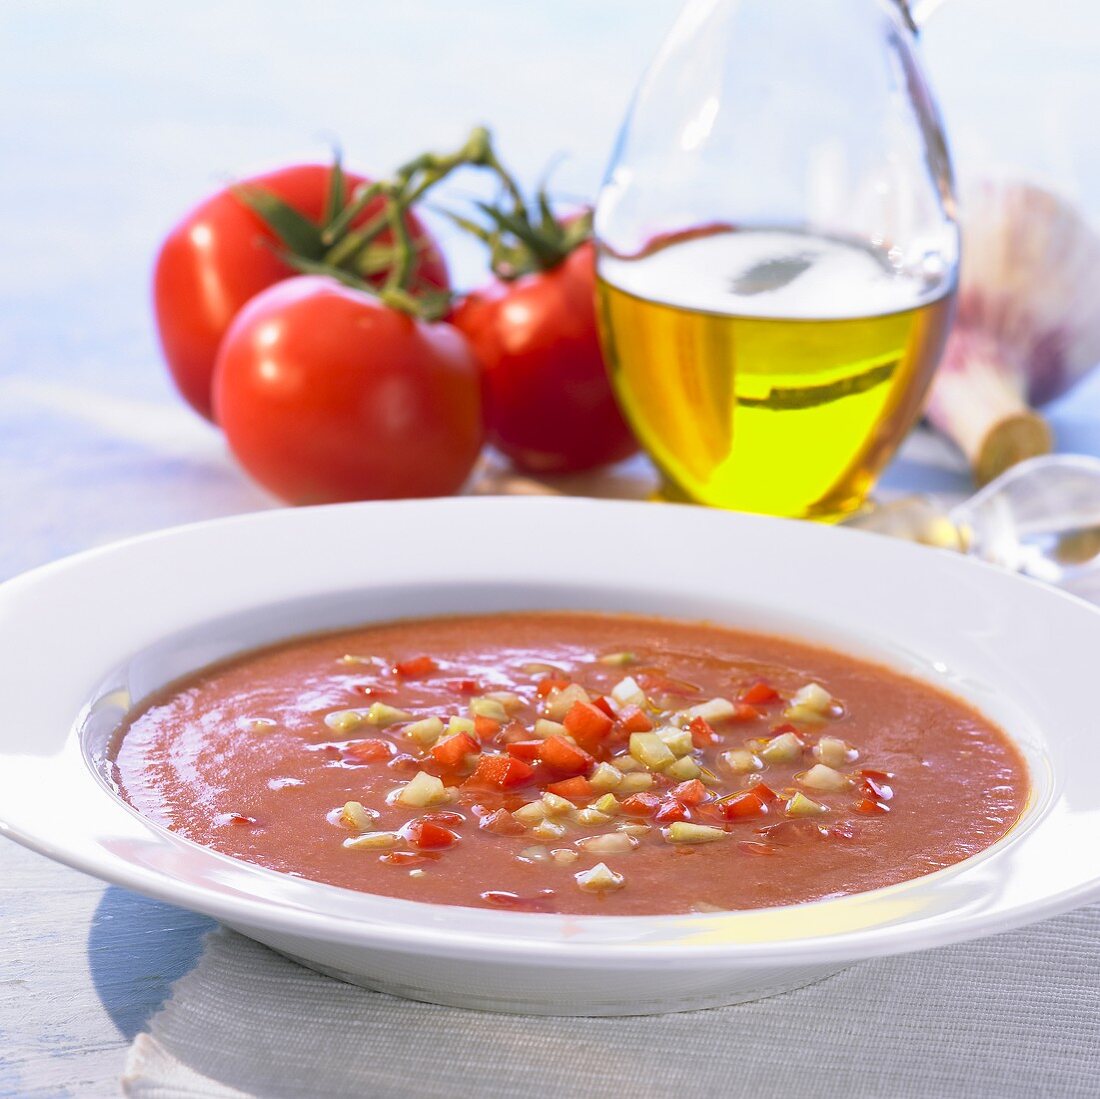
<point>1027,327</point>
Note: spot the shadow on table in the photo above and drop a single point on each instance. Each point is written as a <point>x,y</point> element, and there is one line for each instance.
<point>137,948</point>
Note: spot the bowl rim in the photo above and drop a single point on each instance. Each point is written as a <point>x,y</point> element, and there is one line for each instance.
<point>979,896</point>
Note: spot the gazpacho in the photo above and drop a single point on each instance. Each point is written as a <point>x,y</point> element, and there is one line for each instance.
<point>572,762</point>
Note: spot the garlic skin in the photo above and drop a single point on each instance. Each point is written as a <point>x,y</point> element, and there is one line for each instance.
<point>1027,326</point>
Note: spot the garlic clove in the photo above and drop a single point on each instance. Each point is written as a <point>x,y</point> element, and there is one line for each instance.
<point>1027,326</point>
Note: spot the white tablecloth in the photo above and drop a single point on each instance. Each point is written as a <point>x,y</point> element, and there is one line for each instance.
<point>1015,1015</point>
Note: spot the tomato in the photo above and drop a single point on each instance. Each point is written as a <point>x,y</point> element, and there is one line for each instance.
<point>641,805</point>
<point>576,788</point>
<point>501,823</point>
<point>503,772</point>
<point>587,724</point>
<point>325,394</point>
<point>565,758</point>
<point>452,751</point>
<point>221,255</point>
<point>759,693</point>
<point>548,402</point>
<point>527,750</point>
<point>463,686</point>
<point>691,792</point>
<point>702,734</point>
<point>635,720</point>
<point>549,683</point>
<point>367,751</point>
<point>670,810</point>
<point>416,667</point>
<point>603,704</point>
<point>427,834</point>
<point>748,804</point>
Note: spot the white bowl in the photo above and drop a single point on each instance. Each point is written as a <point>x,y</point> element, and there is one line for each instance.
<point>85,639</point>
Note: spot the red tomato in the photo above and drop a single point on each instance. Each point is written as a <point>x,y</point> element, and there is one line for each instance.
<point>501,823</point>
<point>759,693</point>
<point>634,720</point>
<point>748,804</point>
<point>503,772</point>
<point>691,792</point>
<point>549,683</point>
<point>670,810</point>
<point>368,751</point>
<point>548,402</point>
<point>221,255</point>
<point>565,758</point>
<point>424,833</point>
<point>576,788</point>
<point>486,727</point>
<point>641,805</point>
<point>587,724</point>
<point>416,667</point>
<point>327,395</point>
<point>453,750</point>
<point>527,750</point>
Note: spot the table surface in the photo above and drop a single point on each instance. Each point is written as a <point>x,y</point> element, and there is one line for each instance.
<point>115,117</point>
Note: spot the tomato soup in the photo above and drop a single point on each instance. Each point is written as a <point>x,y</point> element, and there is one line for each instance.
<point>572,762</point>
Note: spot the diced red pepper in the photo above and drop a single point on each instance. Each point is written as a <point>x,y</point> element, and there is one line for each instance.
<point>452,751</point>
<point>743,711</point>
<point>427,834</point>
<point>869,805</point>
<point>486,727</point>
<point>368,751</point>
<point>416,667</point>
<point>576,788</point>
<point>604,703</point>
<point>786,727</point>
<point>702,735</point>
<point>759,693</point>
<point>635,720</point>
<point>501,823</point>
<point>587,724</point>
<point>691,792</point>
<point>671,810</point>
<point>527,750</point>
<point>560,755</point>
<point>463,686</point>
<point>501,772</point>
<point>748,804</point>
<point>404,763</point>
<point>551,683</point>
<point>765,793</point>
<point>641,805</point>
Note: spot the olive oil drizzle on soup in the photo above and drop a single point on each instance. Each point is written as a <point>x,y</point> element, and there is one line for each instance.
<point>572,762</point>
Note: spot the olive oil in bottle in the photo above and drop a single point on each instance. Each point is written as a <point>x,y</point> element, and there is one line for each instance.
<point>770,371</point>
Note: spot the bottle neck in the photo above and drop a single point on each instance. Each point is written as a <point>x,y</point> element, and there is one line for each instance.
<point>917,12</point>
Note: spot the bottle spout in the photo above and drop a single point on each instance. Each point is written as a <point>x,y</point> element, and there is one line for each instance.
<point>917,12</point>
